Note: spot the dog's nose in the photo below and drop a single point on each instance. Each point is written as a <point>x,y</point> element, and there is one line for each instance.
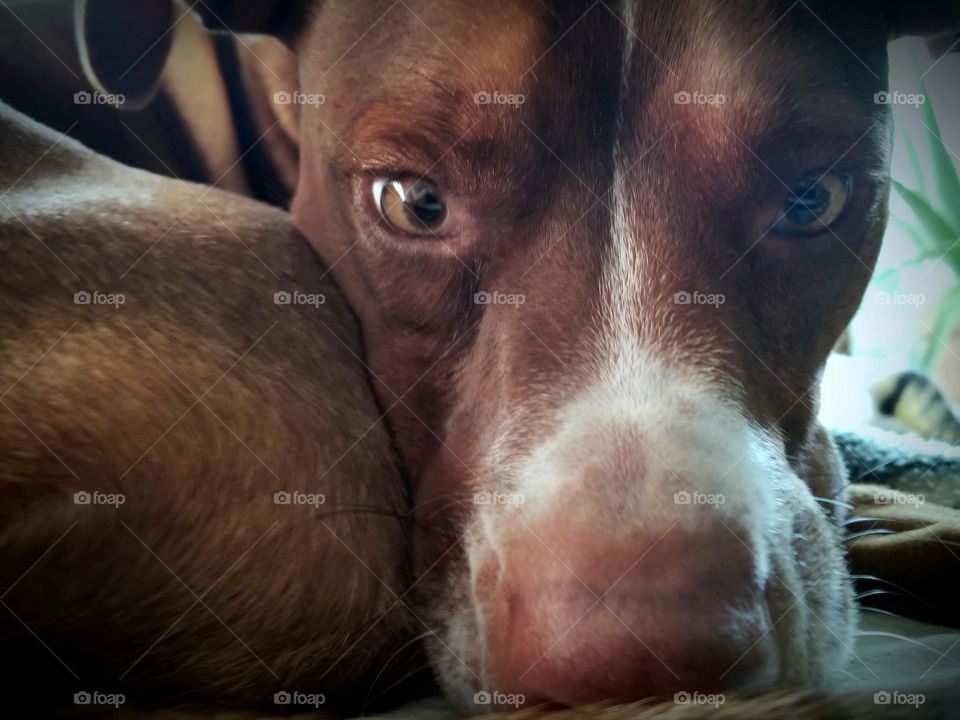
<point>576,620</point>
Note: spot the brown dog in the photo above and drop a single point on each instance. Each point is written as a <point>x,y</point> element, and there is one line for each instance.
<point>599,253</point>
<point>199,501</point>
<point>628,236</point>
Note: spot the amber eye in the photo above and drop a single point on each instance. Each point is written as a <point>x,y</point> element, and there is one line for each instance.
<point>411,205</point>
<point>814,204</point>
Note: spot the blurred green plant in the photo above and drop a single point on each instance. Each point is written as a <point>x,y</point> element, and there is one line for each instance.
<point>936,206</point>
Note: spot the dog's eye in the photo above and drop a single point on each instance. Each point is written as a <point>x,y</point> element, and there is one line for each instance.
<point>814,204</point>
<point>411,205</point>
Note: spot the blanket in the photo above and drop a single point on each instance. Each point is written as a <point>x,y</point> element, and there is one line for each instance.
<point>903,529</point>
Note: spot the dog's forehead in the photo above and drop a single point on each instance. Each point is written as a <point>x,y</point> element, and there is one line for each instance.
<point>575,74</point>
<point>511,34</point>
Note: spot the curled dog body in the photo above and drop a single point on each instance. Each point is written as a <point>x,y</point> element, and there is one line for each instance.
<point>598,254</point>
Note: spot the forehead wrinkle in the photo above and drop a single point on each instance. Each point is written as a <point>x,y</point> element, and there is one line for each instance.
<point>562,136</point>
<point>427,123</point>
<point>425,108</point>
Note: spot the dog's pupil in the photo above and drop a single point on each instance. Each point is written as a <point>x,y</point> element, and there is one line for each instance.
<point>428,208</point>
<point>808,202</point>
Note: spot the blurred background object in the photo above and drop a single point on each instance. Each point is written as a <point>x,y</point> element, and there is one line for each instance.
<point>909,316</point>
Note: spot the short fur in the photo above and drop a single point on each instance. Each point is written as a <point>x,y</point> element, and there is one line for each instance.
<point>198,399</point>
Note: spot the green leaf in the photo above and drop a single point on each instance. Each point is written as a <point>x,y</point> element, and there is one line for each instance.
<point>914,158</point>
<point>945,172</point>
<point>920,239</point>
<point>938,228</point>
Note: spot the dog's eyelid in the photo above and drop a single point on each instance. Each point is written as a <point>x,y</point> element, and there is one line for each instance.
<point>790,153</point>
<point>403,152</point>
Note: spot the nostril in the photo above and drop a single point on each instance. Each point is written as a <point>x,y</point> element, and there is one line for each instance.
<point>592,621</point>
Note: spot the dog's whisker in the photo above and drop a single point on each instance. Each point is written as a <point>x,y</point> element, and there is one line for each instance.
<point>903,592</point>
<point>874,578</point>
<point>863,576</point>
<point>411,673</point>
<point>898,636</point>
<point>866,533</point>
<point>831,501</point>
<point>876,592</point>
<point>854,519</point>
<point>878,611</point>
<point>386,664</point>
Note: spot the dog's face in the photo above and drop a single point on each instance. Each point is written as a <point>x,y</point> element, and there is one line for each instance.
<point>600,252</point>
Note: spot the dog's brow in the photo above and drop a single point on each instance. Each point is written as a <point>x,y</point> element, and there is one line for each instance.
<point>811,122</point>
<point>411,134</point>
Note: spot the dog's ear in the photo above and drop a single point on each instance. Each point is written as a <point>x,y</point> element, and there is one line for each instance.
<point>123,46</point>
<point>281,18</point>
<point>938,20</point>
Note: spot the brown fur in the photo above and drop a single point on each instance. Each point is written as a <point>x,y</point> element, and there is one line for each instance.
<point>198,399</point>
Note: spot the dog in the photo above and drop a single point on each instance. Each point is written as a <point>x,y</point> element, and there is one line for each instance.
<point>621,314</point>
<point>599,254</point>
<point>200,503</point>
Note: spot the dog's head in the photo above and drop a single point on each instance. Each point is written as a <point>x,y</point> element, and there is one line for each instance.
<point>595,307</point>
<point>600,252</point>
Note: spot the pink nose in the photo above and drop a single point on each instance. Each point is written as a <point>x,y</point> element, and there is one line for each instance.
<point>575,620</point>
